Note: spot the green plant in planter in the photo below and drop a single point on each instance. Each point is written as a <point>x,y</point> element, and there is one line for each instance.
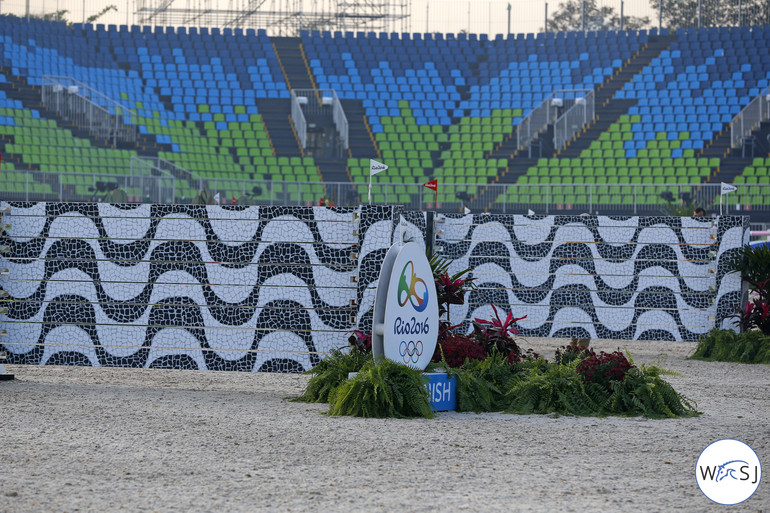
<point>644,392</point>
<point>382,389</point>
<point>589,384</point>
<point>496,335</point>
<point>728,346</point>
<point>335,368</point>
<point>482,383</point>
<point>753,264</point>
<point>555,389</point>
<point>450,289</point>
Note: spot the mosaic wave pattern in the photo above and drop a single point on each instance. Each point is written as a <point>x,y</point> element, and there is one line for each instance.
<point>273,289</point>
<point>653,278</point>
<point>192,287</point>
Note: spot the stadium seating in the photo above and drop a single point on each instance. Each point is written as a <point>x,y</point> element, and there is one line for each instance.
<point>697,86</point>
<point>437,106</point>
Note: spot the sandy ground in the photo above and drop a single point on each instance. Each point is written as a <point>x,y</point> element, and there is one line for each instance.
<point>82,439</point>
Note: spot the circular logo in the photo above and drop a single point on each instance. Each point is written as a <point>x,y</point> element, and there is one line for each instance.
<point>728,471</point>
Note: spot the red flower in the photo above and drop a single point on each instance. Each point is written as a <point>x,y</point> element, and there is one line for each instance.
<point>499,326</point>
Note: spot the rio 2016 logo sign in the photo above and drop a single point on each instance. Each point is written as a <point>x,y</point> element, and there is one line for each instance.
<point>405,316</point>
<point>407,289</point>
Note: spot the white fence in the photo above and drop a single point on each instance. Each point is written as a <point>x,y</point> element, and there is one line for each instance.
<point>322,102</point>
<point>17,185</point>
<point>574,120</point>
<point>87,108</point>
<point>748,119</point>
<point>554,106</point>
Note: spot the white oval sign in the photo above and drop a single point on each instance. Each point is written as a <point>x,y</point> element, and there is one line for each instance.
<point>410,327</point>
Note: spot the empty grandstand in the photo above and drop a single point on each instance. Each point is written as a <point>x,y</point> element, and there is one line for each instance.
<point>619,122</point>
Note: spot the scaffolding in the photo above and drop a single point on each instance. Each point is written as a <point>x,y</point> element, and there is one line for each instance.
<point>280,17</point>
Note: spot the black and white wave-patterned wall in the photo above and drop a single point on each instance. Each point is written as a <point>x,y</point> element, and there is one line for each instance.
<point>660,278</point>
<point>274,288</point>
<point>194,287</point>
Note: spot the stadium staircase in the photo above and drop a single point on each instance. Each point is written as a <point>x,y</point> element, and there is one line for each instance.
<point>277,115</point>
<point>729,169</point>
<point>16,87</point>
<point>608,109</point>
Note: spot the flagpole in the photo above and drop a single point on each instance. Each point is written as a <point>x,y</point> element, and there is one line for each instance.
<point>370,187</point>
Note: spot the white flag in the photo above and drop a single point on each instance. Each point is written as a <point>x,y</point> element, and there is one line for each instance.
<point>726,187</point>
<point>466,210</point>
<point>376,167</point>
<point>529,212</point>
<point>216,199</point>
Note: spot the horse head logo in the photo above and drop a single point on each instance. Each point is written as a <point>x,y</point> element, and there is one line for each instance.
<point>728,469</point>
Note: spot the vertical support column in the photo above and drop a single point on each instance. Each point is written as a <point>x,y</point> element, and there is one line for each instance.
<point>4,227</point>
<point>732,234</point>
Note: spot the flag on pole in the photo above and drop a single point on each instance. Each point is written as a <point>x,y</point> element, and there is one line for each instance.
<point>376,167</point>
<point>233,200</point>
<point>217,199</point>
<point>727,188</point>
<point>432,185</point>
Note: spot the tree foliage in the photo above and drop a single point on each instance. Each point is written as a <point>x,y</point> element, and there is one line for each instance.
<point>569,16</point>
<point>713,13</point>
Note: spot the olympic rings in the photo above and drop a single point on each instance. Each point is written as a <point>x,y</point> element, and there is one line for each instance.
<point>411,351</point>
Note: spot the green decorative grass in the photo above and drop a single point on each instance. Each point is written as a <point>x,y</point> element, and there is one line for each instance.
<point>533,385</point>
<point>560,389</point>
<point>330,373</point>
<point>728,346</point>
<point>387,389</point>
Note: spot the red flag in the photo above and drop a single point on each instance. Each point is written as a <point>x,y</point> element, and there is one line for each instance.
<point>233,200</point>
<point>432,185</point>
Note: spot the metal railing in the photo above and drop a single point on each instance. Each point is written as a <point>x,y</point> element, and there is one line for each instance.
<point>546,113</point>
<point>298,119</point>
<point>306,101</point>
<point>87,108</point>
<point>749,118</point>
<point>573,120</point>
<point>157,166</point>
<point>16,185</point>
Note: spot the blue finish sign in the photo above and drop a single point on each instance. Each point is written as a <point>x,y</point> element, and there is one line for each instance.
<point>441,391</point>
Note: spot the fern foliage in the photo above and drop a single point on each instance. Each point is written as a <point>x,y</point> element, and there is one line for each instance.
<point>330,373</point>
<point>533,385</point>
<point>482,384</point>
<point>728,346</point>
<point>556,389</point>
<point>384,389</point>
